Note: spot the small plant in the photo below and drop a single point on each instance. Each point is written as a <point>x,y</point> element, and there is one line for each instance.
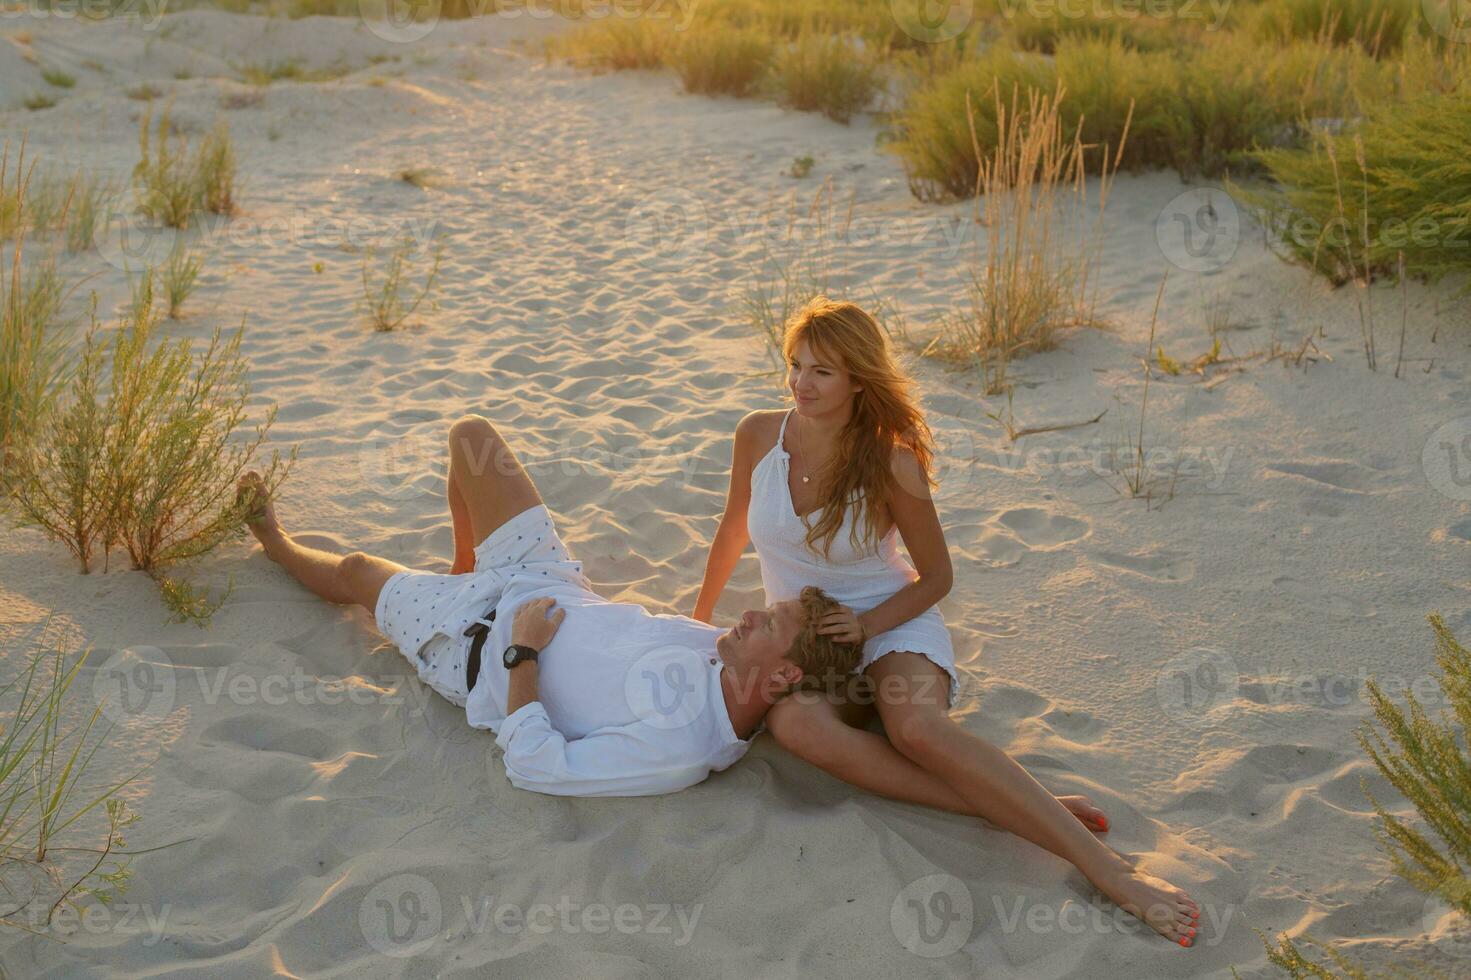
<point>834,75</point>
<point>1037,277</point>
<point>32,353</point>
<point>215,168</point>
<point>42,764</point>
<point>39,101</point>
<point>58,78</point>
<point>801,166</point>
<point>386,304</point>
<point>172,186</point>
<point>144,92</point>
<point>421,177</point>
<point>721,60</point>
<point>1426,760</point>
<point>165,178</point>
<point>180,274</point>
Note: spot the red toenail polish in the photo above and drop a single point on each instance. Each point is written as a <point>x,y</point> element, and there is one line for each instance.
<point>1192,931</point>
<point>1182,942</point>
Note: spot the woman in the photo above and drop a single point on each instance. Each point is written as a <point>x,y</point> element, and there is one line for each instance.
<point>825,491</point>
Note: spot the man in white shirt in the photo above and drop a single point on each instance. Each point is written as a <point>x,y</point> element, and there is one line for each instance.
<point>587,697</point>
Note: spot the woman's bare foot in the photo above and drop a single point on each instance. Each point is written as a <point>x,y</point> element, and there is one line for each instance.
<point>1087,813</point>
<point>1166,909</point>
<point>261,519</point>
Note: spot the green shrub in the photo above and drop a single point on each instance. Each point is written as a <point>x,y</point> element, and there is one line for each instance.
<point>1426,760</point>
<point>1380,27</point>
<point>1411,194</point>
<point>617,44</point>
<point>387,307</point>
<point>834,75</point>
<point>172,186</point>
<point>149,464</point>
<point>57,77</point>
<point>42,796</point>
<point>721,60</point>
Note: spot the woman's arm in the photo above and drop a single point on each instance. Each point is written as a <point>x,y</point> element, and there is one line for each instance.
<point>913,512</point>
<point>731,537</point>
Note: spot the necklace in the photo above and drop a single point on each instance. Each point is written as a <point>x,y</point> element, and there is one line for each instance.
<point>801,455</point>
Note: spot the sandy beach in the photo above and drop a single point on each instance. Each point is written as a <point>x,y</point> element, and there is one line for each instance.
<point>1193,664</point>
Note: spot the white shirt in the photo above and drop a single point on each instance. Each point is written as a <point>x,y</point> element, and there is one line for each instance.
<point>630,703</point>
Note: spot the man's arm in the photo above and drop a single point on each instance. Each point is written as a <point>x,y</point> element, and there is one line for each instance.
<point>530,628</point>
<point>635,760</point>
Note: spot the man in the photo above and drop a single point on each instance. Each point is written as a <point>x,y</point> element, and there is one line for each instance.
<point>587,697</point>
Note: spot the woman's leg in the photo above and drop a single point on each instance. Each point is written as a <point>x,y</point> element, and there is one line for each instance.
<point>827,730</point>
<point>1006,794</point>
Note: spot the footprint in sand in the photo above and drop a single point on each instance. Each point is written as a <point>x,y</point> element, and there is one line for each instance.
<point>1040,529</point>
<point>1161,566</point>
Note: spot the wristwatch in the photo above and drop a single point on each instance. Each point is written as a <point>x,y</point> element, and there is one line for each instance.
<point>518,654</point>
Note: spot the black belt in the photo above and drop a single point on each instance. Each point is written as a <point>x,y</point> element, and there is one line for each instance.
<point>472,663</point>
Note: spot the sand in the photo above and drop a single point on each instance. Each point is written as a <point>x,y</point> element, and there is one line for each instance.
<point>330,817</point>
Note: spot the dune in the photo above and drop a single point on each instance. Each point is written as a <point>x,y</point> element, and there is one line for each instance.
<point>329,816</point>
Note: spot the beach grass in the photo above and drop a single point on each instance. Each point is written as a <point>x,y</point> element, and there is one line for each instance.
<point>831,74</point>
<point>722,60</point>
<point>385,289</point>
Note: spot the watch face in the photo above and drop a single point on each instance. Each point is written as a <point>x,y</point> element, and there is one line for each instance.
<point>509,657</point>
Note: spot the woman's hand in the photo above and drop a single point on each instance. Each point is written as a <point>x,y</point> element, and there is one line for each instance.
<point>843,625</point>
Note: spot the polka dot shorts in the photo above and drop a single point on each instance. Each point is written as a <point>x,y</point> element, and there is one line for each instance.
<point>415,607</point>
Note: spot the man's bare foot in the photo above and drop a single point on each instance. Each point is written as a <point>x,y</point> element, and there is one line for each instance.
<point>251,491</point>
<point>1086,812</point>
<point>1166,909</point>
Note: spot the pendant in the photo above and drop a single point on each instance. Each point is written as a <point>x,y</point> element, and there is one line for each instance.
<point>804,479</point>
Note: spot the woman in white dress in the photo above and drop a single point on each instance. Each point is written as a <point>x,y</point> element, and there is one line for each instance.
<point>825,491</point>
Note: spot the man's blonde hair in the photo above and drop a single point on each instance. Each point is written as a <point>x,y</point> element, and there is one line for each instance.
<point>823,659</point>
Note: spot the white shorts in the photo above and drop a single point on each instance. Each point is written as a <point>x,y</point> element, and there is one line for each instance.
<point>425,613</point>
<point>925,634</point>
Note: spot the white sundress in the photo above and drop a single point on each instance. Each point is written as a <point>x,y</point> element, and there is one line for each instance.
<point>860,578</point>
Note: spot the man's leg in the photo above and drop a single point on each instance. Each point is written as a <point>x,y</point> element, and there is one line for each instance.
<point>1004,793</point>
<point>355,577</point>
<point>486,486</point>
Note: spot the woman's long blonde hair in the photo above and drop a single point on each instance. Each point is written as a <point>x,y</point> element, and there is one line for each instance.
<point>885,415</point>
